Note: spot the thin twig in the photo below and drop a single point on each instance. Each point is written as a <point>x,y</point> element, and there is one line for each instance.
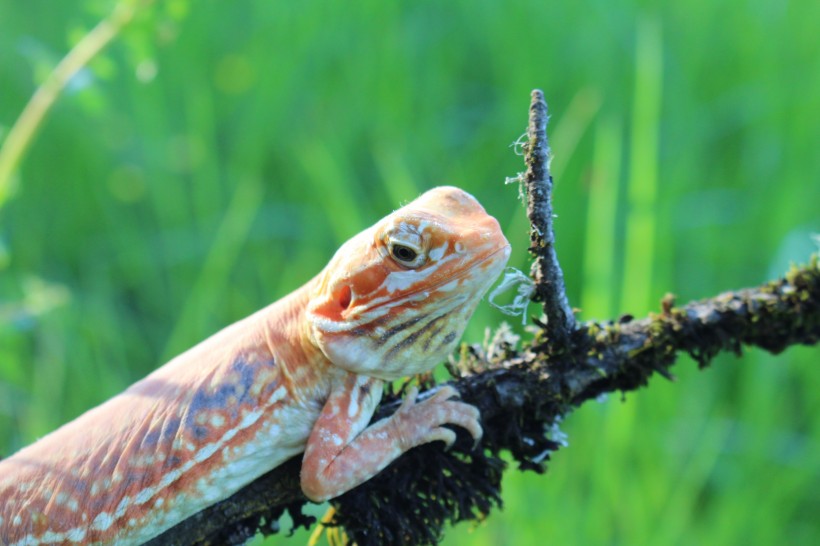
<point>546,272</point>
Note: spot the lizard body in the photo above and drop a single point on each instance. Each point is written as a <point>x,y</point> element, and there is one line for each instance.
<point>303,374</point>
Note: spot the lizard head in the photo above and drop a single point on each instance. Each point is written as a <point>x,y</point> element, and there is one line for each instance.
<point>395,299</point>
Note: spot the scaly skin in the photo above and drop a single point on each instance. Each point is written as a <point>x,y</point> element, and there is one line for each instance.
<point>304,374</point>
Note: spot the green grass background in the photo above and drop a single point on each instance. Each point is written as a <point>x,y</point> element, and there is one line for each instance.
<point>218,152</point>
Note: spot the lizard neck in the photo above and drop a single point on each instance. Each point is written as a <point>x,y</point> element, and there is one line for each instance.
<point>302,364</point>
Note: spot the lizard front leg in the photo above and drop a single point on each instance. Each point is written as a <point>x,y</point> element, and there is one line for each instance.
<point>342,451</point>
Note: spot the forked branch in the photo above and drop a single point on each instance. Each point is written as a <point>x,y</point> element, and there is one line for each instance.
<point>523,390</point>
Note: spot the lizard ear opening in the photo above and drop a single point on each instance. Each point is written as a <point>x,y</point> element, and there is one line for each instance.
<point>331,306</point>
<point>344,296</point>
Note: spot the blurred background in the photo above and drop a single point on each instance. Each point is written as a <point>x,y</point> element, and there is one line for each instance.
<point>217,153</point>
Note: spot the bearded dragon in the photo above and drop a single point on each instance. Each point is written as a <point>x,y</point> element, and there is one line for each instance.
<point>302,375</point>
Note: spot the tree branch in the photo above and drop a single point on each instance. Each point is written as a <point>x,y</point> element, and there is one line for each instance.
<point>523,392</point>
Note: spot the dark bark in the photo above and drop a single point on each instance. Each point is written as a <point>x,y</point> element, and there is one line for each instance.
<point>546,272</point>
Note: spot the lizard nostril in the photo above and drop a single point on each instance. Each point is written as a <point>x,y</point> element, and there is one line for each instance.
<point>345,295</point>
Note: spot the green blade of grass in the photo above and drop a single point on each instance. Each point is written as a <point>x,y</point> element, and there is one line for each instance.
<point>599,247</point>
<point>642,186</point>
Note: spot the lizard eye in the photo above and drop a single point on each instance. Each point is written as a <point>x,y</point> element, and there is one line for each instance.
<point>406,253</point>
<point>406,244</point>
<point>403,253</point>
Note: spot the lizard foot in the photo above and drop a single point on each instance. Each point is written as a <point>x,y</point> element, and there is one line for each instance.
<point>418,423</point>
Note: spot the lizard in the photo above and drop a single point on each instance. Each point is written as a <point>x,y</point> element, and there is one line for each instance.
<point>304,374</point>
